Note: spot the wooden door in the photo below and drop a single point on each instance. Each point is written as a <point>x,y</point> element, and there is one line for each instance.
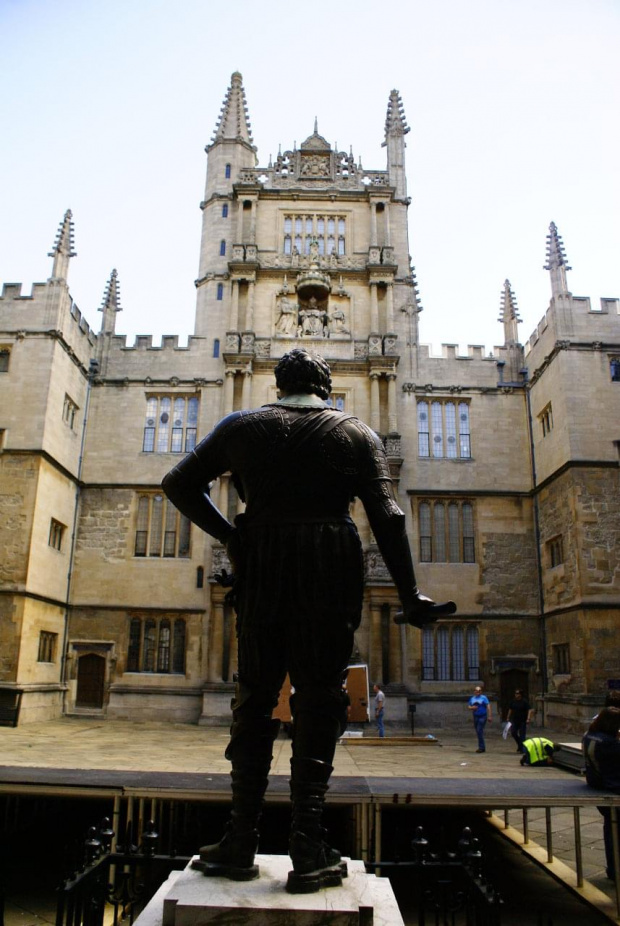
<point>90,681</point>
<point>357,688</point>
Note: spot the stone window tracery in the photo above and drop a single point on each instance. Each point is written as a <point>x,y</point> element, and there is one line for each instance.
<point>444,429</point>
<point>47,646</point>
<point>450,652</point>
<point>446,531</point>
<point>56,534</point>
<point>157,644</point>
<point>161,530</point>
<point>329,231</point>
<point>69,411</point>
<point>170,424</point>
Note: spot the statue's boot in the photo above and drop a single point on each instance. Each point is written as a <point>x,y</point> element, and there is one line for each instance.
<point>315,863</point>
<point>424,610</point>
<point>250,750</point>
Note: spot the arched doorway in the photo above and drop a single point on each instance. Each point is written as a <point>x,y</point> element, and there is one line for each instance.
<point>509,681</point>
<point>90,681</point>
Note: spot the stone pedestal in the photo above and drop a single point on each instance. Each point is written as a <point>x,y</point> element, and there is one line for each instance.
<point>189,898</point>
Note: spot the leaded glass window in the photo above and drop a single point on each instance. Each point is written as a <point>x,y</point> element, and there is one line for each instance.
<point>446,531</point>
<point>443,429</point>
<point>450,652</point>
<point>170,424</point>
<point>161,530</point>
<point>156,644</point>
<point>329,232</point>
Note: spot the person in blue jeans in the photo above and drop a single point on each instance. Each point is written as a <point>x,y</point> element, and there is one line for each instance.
<point>379,710</point>
<point>479,704</point>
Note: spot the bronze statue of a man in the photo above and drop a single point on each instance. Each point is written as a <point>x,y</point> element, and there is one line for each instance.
<point>298,586</point>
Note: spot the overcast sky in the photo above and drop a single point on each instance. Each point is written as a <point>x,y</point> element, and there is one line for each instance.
<point>107,106</point>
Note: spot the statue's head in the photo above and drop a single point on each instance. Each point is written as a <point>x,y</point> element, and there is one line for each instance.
<point>300,371</point>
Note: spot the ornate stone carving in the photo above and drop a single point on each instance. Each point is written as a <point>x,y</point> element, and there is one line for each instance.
<point>220,561</point>
<point>389,344</point>
<point>232,343</point>
<point>393,445</point>
<point>375,570</point>
<point>374,345</point>
<point>247,342</point>
<point>408,387</point>
<point>360,350</point>
<point>288,320</point>
<point>262,348</point>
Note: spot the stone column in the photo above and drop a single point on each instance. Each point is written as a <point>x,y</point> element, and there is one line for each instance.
<point>249,311</point>
<point>373,224</point>
<point>217,641</point>
<point>246,392</point>
<point>234,306</point>
<point>392,414</point>
<point>388,236</point>
<point>375,410</point>
<point>395,661</point>
<point>239,235</point>
<point>375,655</point>
<point>374,309</point>
<point>229,392</point>
<point>222,499</point>
<point>253,222</point>
<point>389,296</point>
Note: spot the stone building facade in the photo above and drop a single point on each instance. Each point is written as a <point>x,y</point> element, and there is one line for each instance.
<point>505,464</point>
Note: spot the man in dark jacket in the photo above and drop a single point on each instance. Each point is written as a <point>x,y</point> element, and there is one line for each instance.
<point>297,561</point>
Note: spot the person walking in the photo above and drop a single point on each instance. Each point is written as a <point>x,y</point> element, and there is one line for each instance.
<point>379,710</point>
<point>519,715</point>
<point>481,707</point>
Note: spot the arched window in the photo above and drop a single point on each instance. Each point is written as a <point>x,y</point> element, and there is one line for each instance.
<point>222,248</point>
<point>220,292</point>
<point>216,347</point>
<point>227,171</point>
<point>225,211</point>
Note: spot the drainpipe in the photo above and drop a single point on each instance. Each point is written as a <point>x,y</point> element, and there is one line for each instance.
<point>93,370</point>
<point>541,591</point>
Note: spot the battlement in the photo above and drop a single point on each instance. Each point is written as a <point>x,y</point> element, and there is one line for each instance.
<point>145,342</point>
<point>13,292</point>
<point>35,311</point>
<point>474,352</point>
<point>573,316</point>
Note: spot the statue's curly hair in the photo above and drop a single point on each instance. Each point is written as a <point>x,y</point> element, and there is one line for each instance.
<point>300,371</point>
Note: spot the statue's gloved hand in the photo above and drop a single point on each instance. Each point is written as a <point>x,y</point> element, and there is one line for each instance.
<point>421,610</point>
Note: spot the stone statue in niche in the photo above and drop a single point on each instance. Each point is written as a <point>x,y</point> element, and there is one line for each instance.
<point>338,322</point>
<point>286,324</point>
<point>312,320</point>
